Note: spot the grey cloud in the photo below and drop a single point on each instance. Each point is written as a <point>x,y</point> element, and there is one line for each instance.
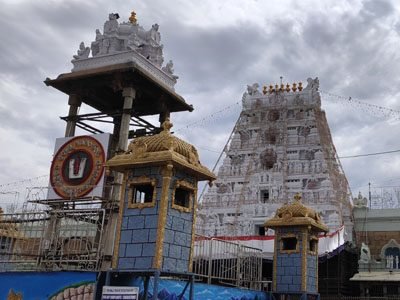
<point>8,118</point>
<point>378,8</point>
<point>212,58</point>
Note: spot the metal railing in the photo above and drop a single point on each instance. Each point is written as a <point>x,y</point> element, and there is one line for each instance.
<point>226,262</point>
<point>378,263</point>
<point>53,240</point>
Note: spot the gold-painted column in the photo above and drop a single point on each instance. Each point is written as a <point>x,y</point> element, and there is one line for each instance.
<point>316,264</point>
<point>275,261</point>
<point>190,267</point>
<point>304,260</point>
<point>119,221</point>
<point>162,215</point>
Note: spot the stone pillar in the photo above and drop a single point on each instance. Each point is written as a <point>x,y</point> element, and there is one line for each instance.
<point>74,104</point>
<point>115,136</point>
<point>121,125</point>
<point>129,94</point>
<point>163,116</point>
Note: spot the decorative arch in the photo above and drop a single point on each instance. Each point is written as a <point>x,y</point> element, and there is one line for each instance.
<point>391,248</point>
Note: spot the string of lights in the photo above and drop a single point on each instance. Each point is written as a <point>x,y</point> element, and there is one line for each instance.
<point>372,109</point>
<point>223,112</point>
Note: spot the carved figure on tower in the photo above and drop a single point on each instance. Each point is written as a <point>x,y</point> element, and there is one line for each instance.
<point>83,52</point>
<point>111,26</point>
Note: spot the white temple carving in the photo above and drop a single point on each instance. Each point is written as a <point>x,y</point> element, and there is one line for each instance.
<point>281,146</point>
<point>123,42</point>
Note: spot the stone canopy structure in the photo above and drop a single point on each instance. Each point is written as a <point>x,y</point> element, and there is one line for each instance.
<point>281,146</point>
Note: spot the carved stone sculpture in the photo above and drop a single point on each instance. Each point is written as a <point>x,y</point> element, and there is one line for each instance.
<point>360,201</point>
<point>127,36</point>
<point>111,26</point>
<point>365,253</point>
<point>83,52</point>
<point>155,37</point>
<point>95,46</point>
<point>253,89</point>
<point>312,84</point>
<point>169,69</point>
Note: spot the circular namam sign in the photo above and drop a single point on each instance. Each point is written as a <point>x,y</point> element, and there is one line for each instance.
<point>77,167</point>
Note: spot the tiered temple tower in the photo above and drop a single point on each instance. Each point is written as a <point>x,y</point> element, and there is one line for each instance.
<point>281,146</point>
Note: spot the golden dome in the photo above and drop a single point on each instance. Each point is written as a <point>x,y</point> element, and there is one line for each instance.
<point>294,214</point>
<point>158,149</point>
<point>164,141</point>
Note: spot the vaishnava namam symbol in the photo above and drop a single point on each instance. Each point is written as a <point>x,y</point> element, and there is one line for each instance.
<point>76,167</point>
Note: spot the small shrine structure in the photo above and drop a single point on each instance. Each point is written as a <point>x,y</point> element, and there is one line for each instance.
<point>155,231</point>
<point>295,265</point>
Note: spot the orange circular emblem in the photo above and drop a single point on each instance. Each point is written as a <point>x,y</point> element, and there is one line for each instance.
<point>77,167</point>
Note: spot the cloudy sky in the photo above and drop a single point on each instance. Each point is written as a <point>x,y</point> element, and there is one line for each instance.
<point>218,47</point>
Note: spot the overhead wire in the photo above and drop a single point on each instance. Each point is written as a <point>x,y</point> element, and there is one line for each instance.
<point>213,116</point>
<point>365,106</point>
<point>370,154</point>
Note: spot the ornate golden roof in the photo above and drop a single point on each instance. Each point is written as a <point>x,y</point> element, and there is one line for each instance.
<point>296,214</point>
<point>159,149</point>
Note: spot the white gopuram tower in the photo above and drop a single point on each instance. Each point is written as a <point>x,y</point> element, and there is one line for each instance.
<point>281,145</point>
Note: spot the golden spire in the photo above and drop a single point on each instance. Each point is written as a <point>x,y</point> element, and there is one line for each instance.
<point>297,197</point>
<point>300,86</point>
<point>132,18</point>
<point>264,89</point>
